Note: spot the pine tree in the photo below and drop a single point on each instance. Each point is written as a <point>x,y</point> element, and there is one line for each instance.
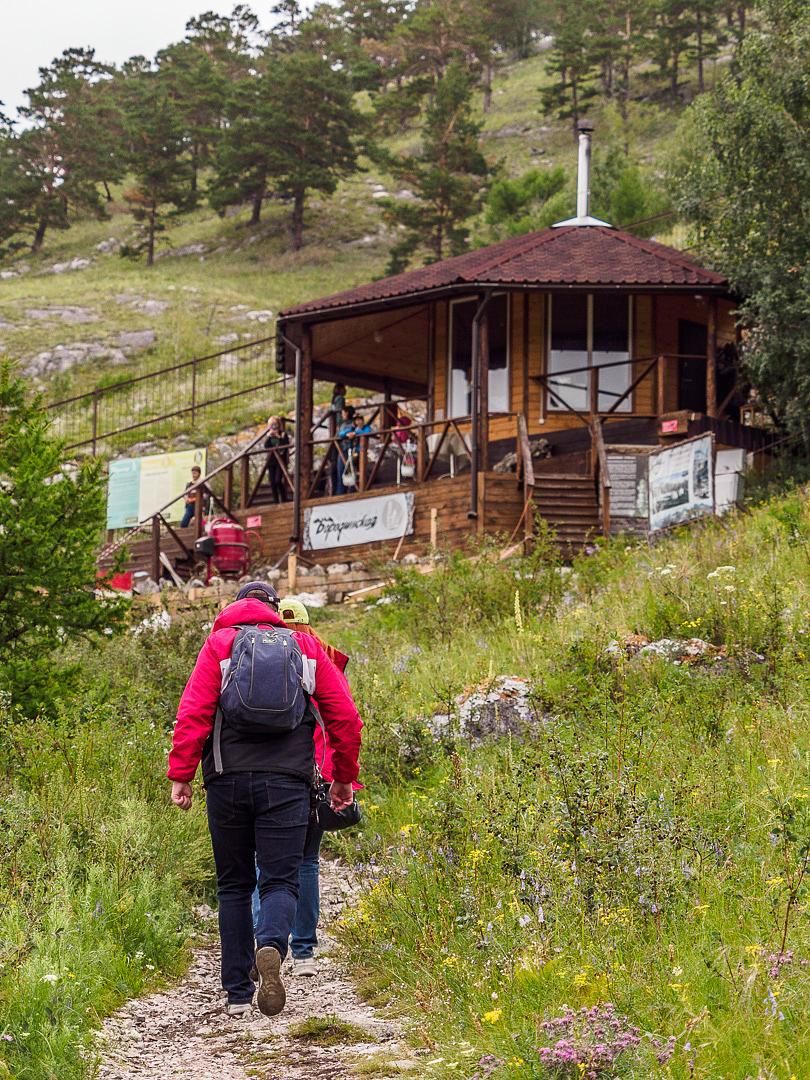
<point>51,521</point>
<point>294,129</point>
<point>70,143</point>
<point>448,176</point>
<point>571,60</point>
<point>157,155</point>
<point>19,190</point>
<point>198,90</point>
<point>673,26</point>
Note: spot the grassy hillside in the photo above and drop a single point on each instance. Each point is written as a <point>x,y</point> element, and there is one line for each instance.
<point>644,847</point>
<point>639,857</point>
<point>216,274</point>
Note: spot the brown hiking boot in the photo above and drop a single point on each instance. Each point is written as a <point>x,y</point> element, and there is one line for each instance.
<point>272,997</point>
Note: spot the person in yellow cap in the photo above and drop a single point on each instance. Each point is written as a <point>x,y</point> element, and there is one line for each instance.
<point>304,938</point>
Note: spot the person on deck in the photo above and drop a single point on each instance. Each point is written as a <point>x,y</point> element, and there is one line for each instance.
<point>258,791</point>
<point>191,497</point>
<point>278,445</point>
<point>338,403</point>
<point>346,427</point>
<point>351,450</point>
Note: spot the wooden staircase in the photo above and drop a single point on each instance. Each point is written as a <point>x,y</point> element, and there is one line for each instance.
<point>568,502</point>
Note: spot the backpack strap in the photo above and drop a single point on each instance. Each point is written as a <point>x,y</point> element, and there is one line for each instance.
<point>218,742</point>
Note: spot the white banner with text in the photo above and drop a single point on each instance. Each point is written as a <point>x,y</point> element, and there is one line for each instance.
<point>358,521</point>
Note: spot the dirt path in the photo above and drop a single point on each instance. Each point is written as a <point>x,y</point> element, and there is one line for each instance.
<point>184,1034</point>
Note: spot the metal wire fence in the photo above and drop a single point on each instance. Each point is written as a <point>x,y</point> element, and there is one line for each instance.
<point>238,384</point>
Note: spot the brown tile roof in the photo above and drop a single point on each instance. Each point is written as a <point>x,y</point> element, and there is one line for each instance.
<point>571,256</point>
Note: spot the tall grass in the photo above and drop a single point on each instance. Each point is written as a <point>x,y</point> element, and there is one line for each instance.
<point>97,872</point>
<point>646,847</point>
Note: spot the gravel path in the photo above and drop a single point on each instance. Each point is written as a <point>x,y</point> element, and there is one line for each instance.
<point>184,1034</point>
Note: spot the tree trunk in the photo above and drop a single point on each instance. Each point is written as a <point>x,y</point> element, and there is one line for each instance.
<point>574,104</point>
<point>256,212</point>
<point>699,50</point>
<point>107,192</point>
<point>298,219</point>
<point>150,241</point>
<point>39,235</point>
<point>488,85</point>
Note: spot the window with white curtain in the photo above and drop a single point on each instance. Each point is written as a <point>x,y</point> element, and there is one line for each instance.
<point>459,383</point>
<point>587,331</point>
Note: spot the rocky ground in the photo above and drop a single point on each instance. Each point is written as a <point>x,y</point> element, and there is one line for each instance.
<point>183,1033</point>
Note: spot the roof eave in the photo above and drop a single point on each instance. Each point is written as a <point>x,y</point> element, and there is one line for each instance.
<point>406,299</point>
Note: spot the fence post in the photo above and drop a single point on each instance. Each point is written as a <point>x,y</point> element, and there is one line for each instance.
<point>420,455</point>
<point>95,421</point>
<point>193,392</point>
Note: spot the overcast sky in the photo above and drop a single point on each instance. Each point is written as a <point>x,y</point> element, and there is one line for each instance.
<point>35,31</point>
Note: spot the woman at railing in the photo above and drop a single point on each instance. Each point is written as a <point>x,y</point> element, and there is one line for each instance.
<point>352,443</point>
<point>278,445</point>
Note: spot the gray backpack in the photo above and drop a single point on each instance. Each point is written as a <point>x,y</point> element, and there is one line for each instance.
<point>264,691</point>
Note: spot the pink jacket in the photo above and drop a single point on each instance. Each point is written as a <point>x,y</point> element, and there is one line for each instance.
<point>198,704</point>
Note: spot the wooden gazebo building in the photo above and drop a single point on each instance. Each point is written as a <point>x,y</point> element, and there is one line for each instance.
<point>581,335</point>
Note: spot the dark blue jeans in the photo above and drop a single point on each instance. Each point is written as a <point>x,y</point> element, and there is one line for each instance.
<point>188,515</point>
<point>255,819</point>
<point>305,927</point>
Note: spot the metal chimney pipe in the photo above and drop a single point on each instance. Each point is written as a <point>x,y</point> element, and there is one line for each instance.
<point>585,128</point>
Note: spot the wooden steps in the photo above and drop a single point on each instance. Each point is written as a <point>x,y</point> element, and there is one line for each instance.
<point>568,503</point>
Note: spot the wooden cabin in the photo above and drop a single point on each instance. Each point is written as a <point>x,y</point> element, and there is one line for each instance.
<point>580,335</point>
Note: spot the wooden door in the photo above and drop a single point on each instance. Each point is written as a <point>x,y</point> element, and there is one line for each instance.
<point>692,344</point>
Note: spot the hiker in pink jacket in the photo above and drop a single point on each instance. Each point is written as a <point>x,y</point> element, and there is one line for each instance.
<point>258,787</point>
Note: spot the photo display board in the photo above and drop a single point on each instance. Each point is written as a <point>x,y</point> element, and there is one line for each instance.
<point>137,487</point>
<point>681,482</point>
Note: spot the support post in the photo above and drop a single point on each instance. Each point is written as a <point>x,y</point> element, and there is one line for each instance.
<point>228,492</point>
<point>362,464</point>
<point>244,482</point>
<point>292,571</point>
<point>475,406</point>
<point>193,393</point>
<point>156,548</point>
<point>593,390</point>
<point>430,407</point>
<point>303,425</point>
<point>660,387</point>
<point>711,359</point>
<point>420,455</point>
<point>198,513</point>
<point>483,393</point>
<point>434,528</point>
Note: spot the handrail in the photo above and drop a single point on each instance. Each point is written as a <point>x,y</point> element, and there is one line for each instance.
<point>101,390</point>
<point>622,363</point>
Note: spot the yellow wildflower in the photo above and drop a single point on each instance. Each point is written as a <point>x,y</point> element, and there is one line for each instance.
<point>493,1016</point>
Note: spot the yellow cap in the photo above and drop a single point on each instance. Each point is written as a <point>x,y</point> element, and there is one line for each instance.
<point>293,611</point>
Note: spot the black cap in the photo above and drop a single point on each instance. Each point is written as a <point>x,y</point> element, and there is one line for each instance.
<point>259,590</point>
